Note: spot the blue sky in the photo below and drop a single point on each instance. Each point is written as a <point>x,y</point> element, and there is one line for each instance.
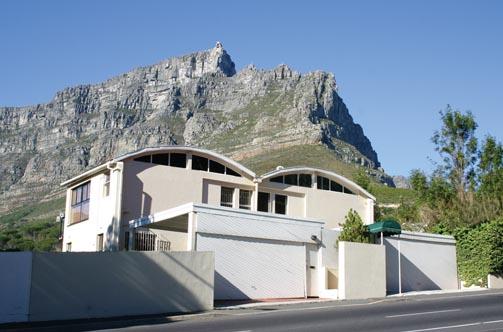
<point>397,62</point>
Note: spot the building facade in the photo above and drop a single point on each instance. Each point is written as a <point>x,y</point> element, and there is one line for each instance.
<point>273,235</point>
<point>102,202</point>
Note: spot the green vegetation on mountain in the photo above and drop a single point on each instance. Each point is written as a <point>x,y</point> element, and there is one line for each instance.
<point>32,227</point>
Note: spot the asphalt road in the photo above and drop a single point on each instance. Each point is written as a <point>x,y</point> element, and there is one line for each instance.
<point>473,311</point>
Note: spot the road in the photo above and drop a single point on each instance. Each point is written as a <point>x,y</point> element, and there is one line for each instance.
<point>472,311</point>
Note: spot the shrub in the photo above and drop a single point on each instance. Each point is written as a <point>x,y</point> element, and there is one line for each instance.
<point>353,229</point>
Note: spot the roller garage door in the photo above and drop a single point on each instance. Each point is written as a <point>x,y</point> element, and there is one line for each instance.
<point>250,268</point>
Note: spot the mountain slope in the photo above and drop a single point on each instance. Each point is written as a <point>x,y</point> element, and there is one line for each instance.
<point>197,99</point>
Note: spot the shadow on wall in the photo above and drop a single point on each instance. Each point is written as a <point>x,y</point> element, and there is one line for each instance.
<point>107,284</point>
<point>226,290</point>
<point>139,203</point>
<point>413,278</point>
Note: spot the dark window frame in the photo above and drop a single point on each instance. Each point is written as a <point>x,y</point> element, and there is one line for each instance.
<point>291,179</point>
<point>277,179</point>
<point>226,203</point>
<point>161,159</point>
<point>175,160</point>
<point>216,167</point>
<point>282,205</point>
<point>242,204</point>
<point>262,194</point>
<point>80,200</point>
<point>200,163</point>
<point>231,172</point>
<point>305,180</point>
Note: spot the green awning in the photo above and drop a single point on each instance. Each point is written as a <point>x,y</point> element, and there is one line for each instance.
<point>389,226</point>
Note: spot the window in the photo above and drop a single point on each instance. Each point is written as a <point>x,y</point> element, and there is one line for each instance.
<point>106,184</point>
<point>199,163</point>
<point>280,204</point>
<point>226,196</point>
<point>178,160</point>
<point>347,191</point>
<point>144,159</point>
<point>216,167</point>
<point>323,183</point>
<point>291,179</point>
<point>69,247</point>
<point>80,203</point>
<point>99,242</point>
<point>263,202</point>
<point>245,199</point>
<point>334,186</point>
<point>277,179</point>
<point>305,180</point>
<point>229,171</point>
<point>161,159</point>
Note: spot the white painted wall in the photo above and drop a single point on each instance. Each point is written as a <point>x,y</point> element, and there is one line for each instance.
<point>102,215</point>
<point>58,286</point>
<point>494,281</point>
<point>15,281</point>
<point>329,206</point>
<point>362,271</point>
<point>428,262</point>
<point>150,188</point>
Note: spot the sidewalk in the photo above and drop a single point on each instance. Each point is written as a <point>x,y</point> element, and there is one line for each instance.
<point>247,304</point>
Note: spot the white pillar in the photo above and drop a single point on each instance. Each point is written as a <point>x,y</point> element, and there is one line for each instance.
<point>113,236</point>
<point>399,267</point>
<point>191,231</point>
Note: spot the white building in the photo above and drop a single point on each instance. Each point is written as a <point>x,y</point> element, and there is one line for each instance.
<point>273,235</point>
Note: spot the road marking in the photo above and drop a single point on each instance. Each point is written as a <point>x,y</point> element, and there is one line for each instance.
<point>423,313</point>
<point>455,326</point>
<point>461,295</point>
<point>444,327</point>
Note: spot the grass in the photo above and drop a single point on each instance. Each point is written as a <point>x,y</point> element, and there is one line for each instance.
<point>389,195</point>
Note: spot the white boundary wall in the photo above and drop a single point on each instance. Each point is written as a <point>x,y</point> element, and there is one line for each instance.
<point>58,286</point>
<point>427,262</point>
<point>15,281</point>
<point>362,270</point>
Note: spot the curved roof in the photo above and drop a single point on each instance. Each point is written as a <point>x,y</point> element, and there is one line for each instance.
<point>318,171</point>
<point>168,148</point>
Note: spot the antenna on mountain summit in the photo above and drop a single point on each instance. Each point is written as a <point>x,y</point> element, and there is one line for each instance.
<point>219,45</point>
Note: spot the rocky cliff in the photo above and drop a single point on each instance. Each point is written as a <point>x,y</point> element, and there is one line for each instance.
<point>197,99</point>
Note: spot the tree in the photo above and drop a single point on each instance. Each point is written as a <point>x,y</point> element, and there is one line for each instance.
<point>457,145</point>
<point>362,179</point>
<point>491,168</point>
<point>353,229</point>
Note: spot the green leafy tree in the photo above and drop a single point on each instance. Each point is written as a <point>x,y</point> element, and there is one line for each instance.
<point>491,168</point>
<point>362,179</point>
<point>353,229</point>
<point>457,145</point>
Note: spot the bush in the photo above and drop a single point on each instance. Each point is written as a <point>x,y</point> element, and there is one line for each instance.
<point>353,229</point>
<point>480,252</point>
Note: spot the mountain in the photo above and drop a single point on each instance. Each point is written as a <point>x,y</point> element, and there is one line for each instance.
<point>197,99</point>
